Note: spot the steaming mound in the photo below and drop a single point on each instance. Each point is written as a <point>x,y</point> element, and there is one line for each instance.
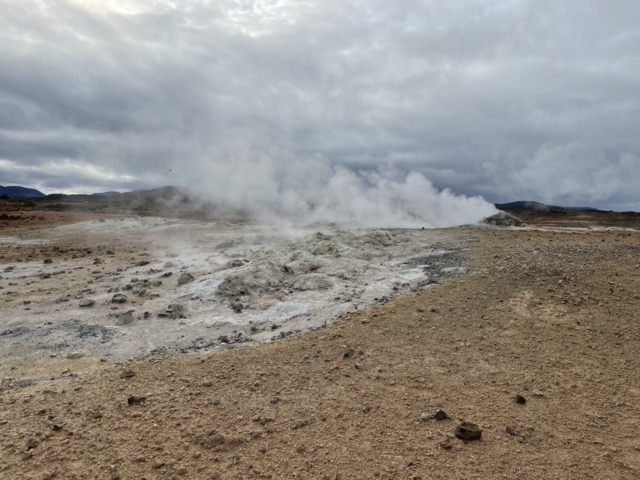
<point>503,219</point>
<point>303,264</point>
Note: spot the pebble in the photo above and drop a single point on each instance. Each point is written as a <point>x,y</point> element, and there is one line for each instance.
<point>512,431</point>
<point>135,400</point>
<point>87,302</point>
<point>439,415</point>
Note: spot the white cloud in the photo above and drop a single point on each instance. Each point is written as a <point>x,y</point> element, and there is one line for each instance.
<point>501,99</point>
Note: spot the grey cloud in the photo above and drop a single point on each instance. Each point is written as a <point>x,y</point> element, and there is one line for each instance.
<point>501,99</point>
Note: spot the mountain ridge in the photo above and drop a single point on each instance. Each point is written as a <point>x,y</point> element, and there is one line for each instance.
<point>17,191</point>
<point>539,206</point>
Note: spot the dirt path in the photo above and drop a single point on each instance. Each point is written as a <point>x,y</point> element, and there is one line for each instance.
<point>554,313</point>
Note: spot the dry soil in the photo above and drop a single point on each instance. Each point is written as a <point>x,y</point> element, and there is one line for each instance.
<point>548,315</point>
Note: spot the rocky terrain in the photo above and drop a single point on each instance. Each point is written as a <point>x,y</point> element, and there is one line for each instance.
<point>118,288</point>
<point>536,347</point>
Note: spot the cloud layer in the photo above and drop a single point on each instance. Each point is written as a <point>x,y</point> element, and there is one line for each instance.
<point>296,100</point>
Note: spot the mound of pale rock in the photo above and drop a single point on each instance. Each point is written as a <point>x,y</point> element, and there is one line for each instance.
<point>503,219</point>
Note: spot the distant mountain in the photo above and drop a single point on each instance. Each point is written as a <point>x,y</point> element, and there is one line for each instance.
<point>528,205</point>
<point>106,194</point>
<point>19,192</point>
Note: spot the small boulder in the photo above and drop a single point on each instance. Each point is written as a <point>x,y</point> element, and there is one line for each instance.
<point>124,318</point>
<point>119,298</point>
<point>175,310</point>
<point>87,302</point>
<point>468,431</point>
<point>184,278</point>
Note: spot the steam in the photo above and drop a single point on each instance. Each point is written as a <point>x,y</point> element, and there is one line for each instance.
<point>281,185</point>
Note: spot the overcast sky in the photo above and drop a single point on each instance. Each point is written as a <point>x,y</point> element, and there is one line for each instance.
<point>507,99</point>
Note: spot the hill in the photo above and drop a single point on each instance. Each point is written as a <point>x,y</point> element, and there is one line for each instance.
<point>538,206</point>
<point>16,191</point>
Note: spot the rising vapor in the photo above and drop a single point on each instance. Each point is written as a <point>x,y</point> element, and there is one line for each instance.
<point>309,190</point>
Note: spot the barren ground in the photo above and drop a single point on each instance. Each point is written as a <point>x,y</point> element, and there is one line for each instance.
<point>555,312</point>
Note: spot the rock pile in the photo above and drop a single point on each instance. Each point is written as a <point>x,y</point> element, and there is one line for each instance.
<point>503,219</point>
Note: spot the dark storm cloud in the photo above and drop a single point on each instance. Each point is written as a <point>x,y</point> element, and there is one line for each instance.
<point>505,99</point>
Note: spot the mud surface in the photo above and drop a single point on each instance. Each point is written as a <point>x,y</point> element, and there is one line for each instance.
<point>115,289</point>
<point>536,347</point>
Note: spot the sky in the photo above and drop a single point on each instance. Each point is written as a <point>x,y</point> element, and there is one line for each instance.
<point>425,104</point>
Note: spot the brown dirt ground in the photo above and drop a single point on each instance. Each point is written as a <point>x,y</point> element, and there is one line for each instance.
<point>550,311</point>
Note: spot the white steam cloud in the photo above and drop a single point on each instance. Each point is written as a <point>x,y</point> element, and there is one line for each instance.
<point>311,189</point>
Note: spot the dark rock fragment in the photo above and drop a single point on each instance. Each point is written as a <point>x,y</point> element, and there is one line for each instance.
<point>119,298</point>
<point>441,415</point>
<point>512,431</point>
<point>468,431</point>
<point>135,400</point>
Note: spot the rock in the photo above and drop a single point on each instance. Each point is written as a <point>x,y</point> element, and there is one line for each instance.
<point>537,393</point>
<point>512,431</point>
<point>124,318</point>
<point>30,444</point>
<point>48,260</point>
<point>520,400</point>
<point>87,302</point>
<point>301,423</point>
<point>185,278</point>
<point>119,298</point>
<point>468,431</point>
<point>503,219</point>
<point>348,353</point>
<point>446,444</point>
<point>128,374</point>
<point>439,415</point>
<point>235,263</point>
<point>135,400</point>
<point>74,355</point>
<point>175,310</point>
